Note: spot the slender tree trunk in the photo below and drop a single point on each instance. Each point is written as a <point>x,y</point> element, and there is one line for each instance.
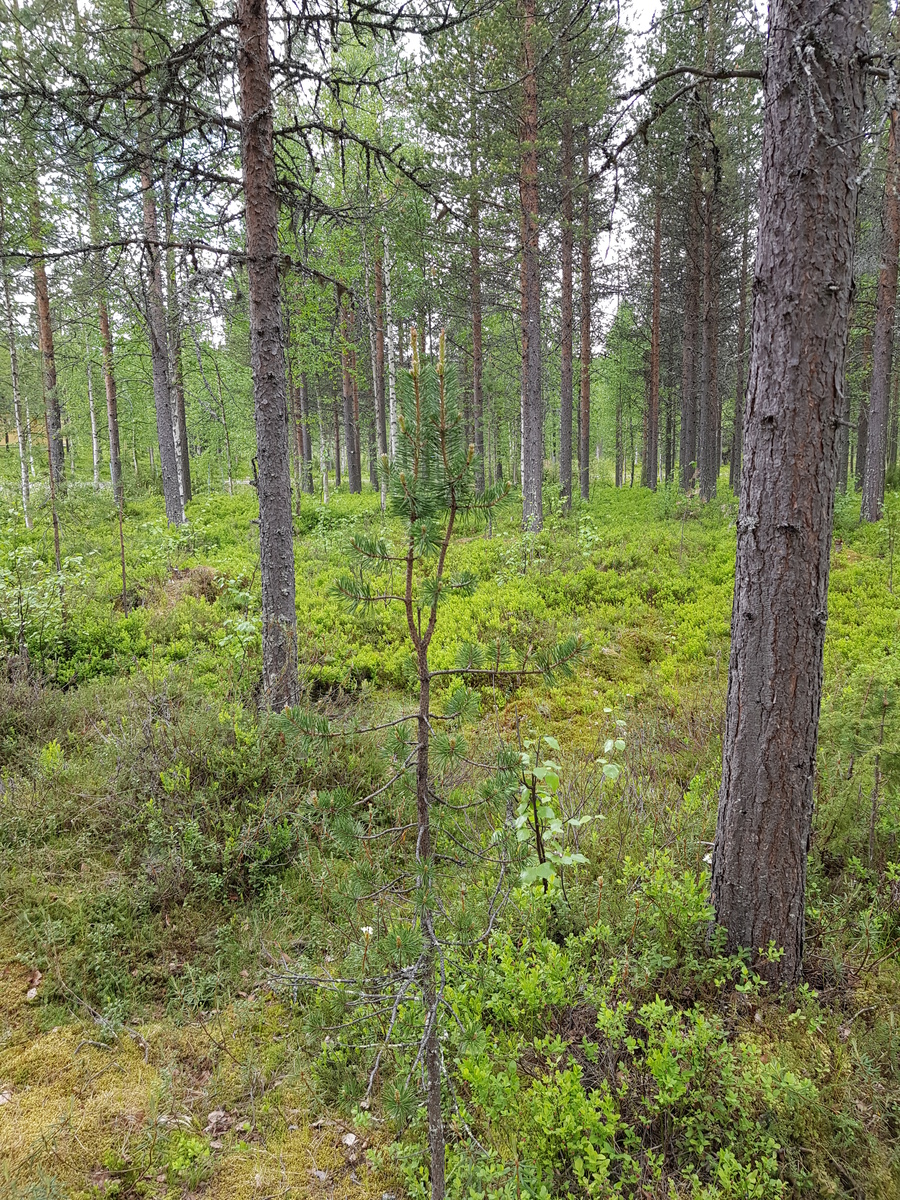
<point>734,471</point>
<point>228,458</point>
<point>532,413</point>
<point>584,457</point>
<point>337,445</point>
<point>174,340</point>
<point>56,449</point>
<point>92,412</point>
<point>708,455</point>
<point>156,311</point>
<point>306,481</point>
<point>895,424</point>
<point>862,421</point>
<point>380,398</point>
<point>16,392</point>
<point>323,453</point>
<point>390,348</point>
<point>653,409</point>
<point>814,112</point>
<point>276,547</point>
<point>883,347</point>
<point>354,476</point>
<point>691,337</point>
<point>475,282</point>
<point>106,342</point>
<point>566,315</point>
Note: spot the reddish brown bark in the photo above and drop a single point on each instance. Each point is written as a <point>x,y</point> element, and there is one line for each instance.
<point>814,115</point>
<point>584,424</point>
<point>532,411</point>
<point>156,311</point>
<point>883,344</point>
<point>267,357</point>
<point>652,441</point>
<point>567,252</point>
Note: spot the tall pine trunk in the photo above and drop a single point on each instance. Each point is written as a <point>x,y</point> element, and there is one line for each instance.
<point>814,110</point>
<point>584,406</point>
<point>306,480</point>
<point>734,470</point>
<point>176,366</point>
<point>475,298</point>
<point>267,359</point>
<point>55,447</point>
<point>156,310</point>
<point>16,391</point>
<point>691,333</point>
<point>532,412</point>
<point>566,305</point>
<point>106,342</point>
<point>883,346</point>
<point>708,447</point>
<point>652,443</point>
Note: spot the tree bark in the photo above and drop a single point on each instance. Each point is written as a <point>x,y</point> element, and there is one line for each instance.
<point>354,475</point>
<point>652,445</point>
<point>16,392</point>
<point>55,448</point>
<point>306,481</point>
<point>883,346</point>
<point>708,451</point>
<point>862,419</point>
<point>92,412</point>
<point>734,470</point>
<point>584,425</point>
<point>691,335</point>
<point>566,306</point>
<point>477,341</point>
<point>532,413</point>
<point>276,547</point>
<point>380,405</point>
<point>106,342</point>
<point>814,108</point>
<point>156,310</point>
<point>176,366</point>
<point>390,350</point>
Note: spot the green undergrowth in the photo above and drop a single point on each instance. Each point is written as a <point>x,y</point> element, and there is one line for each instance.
<point>178,877</point>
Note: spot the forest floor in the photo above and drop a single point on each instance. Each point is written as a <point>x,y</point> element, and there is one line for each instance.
<point>174,872</point>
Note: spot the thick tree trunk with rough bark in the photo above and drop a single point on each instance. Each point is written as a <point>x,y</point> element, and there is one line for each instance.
<point>814,110</point>
<point>566,306</point>
<point>883,345</point>
<point>267,358</point>
<point>532,411</point>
